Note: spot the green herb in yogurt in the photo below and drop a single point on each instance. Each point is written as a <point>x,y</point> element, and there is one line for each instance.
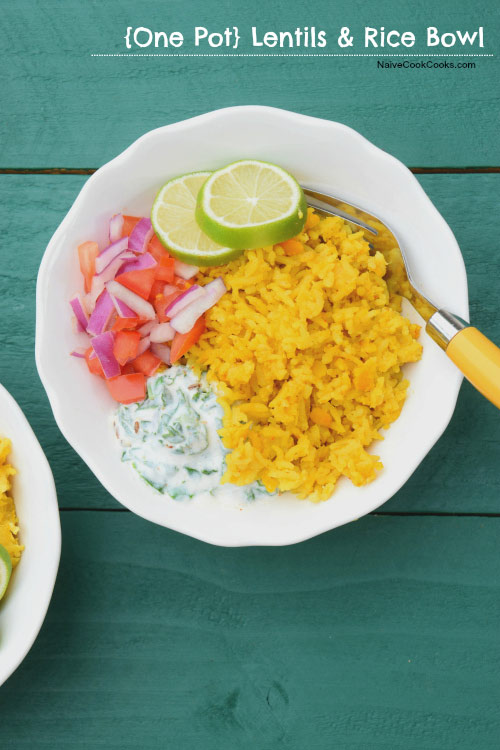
<point>171,438</point>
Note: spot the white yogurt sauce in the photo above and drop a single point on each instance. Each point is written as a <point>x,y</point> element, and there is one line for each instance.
<point>171,438</point>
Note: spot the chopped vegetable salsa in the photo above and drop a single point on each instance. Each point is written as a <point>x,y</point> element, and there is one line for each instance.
<point>140,309</point>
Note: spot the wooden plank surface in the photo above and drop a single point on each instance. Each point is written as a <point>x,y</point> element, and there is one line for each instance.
<point>381,634</point>
<point>460,474</point>
<point>61,107</point>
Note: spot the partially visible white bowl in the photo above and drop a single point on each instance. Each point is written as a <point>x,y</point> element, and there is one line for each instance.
<point>327,154</point>
<point>23,609</point>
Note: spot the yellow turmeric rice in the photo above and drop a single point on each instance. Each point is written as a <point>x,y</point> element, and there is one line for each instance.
<point>9,525</point>
<point>307,349</point>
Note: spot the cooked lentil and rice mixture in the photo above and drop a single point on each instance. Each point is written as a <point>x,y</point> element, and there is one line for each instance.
<point>306,350</point>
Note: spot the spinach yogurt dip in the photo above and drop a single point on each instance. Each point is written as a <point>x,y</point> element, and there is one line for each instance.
<point>171,438</point>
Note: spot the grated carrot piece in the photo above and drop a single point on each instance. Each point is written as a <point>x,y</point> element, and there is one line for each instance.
<point>292,247</point>
<point>321,417</point>
<point>312,219</point>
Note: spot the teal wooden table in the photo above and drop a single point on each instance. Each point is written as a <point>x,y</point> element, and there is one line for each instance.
<point>380,634</point>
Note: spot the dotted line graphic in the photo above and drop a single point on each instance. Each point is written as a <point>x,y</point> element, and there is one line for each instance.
<point>278,54</point>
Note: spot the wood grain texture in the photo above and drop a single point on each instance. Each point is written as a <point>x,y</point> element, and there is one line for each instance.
<point>61,107</point>
<point>382,634</point>
<point>459,475</point>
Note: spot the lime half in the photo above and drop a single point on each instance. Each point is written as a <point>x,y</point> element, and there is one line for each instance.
<point>173,219</point>
<point>5,570</point>
<point>251,204</point>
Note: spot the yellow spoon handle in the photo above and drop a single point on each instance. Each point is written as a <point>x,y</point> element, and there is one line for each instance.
<point>475,355</point>
<point>479,360</point>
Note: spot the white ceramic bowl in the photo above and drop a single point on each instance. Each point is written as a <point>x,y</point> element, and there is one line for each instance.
<point>23,609</point>
<point>316,151</point>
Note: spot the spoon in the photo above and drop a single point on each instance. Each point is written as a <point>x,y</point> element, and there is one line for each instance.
<point>474,354</point>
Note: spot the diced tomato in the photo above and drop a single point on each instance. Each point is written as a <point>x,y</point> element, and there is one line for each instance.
<point>127,388</point>
<point>128,369</point>
<point>184,341</point>
<point>156,290</point>
<point>126,345</point>
<point>165,269</point>
<point>87,253</point>
<point>146,363</point>
<point>129,223</point>
<point>139,282</point>
<point>93,363</point>
<point>161,303</point>
<point>128,324</point>
<point>156,249</point>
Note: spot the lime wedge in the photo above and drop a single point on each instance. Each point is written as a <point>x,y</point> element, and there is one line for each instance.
<point>174,222</point>
<point>251,204</point>
<point>5,570</point>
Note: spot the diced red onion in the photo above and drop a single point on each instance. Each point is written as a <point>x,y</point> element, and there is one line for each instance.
<point>184,270</point>
<point>140,236</point>
<point>123,310</point>
<point>110,253</point>
<point>146,328</point>
<point>80,353</point>
<point>216,287</point>
<point>96,289</point>
<point>185,320</point>
<point>101,314</point>
<point>161,332</point>
<point>143,345</point>
<point>103,347</point>
<point>80,313</point>
<point>111,270</point>
<point>100,279</point>
<point>115,227</point>
<point>184,299</point>
<point>162,352</point>
<point>140,306</point>
<point>140,263</point>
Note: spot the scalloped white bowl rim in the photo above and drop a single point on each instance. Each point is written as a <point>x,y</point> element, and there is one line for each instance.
<point>329,155</point>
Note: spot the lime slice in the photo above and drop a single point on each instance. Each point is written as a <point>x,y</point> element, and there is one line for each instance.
<point>174,222</point>
<point>251,204</point>
<point>5,570</point>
